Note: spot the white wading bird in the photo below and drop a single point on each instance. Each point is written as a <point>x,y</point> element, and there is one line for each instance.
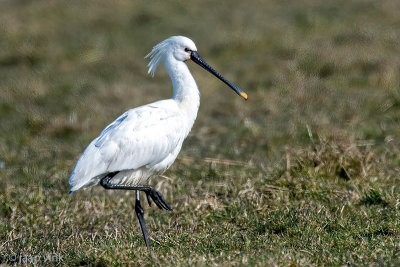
<point>145,141</point>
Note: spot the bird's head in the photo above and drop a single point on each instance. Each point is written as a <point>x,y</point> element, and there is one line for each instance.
<point>183,49</point>
<point>179,47</point>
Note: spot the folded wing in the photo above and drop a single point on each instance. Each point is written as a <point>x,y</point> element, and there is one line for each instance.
<point>143,136</point>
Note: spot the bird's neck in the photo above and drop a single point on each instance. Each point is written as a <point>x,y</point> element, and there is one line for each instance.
<point>185,90</point>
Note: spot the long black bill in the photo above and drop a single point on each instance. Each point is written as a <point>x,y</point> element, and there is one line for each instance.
<point>200,61</point>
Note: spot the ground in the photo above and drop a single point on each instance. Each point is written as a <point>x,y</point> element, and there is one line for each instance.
<point>306,172</point>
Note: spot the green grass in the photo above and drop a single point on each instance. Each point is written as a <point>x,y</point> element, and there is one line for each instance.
<point>306,172</point>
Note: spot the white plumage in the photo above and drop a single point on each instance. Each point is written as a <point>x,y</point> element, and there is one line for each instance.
<point>146,140</point>
<point>141,142</point>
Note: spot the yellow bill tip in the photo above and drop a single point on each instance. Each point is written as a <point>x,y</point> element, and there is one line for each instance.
<point>244,95</point>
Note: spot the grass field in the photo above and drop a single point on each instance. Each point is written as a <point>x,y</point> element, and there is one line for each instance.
<point>306,172</point>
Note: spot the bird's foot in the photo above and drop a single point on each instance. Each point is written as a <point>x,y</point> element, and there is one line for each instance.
<point>156,196</point>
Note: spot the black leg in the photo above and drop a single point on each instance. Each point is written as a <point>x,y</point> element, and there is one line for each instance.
<point>151,193</point>
<point>139,213</point>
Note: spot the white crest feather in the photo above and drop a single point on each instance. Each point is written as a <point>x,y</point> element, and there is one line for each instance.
<point>156,55</point>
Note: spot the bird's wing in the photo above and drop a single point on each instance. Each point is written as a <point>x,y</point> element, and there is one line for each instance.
<point>143,136</point>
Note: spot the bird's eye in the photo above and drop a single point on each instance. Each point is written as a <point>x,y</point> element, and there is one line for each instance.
<point>187,49</point>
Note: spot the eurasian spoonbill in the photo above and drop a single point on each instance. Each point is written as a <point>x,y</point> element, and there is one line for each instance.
<point>145,141</point>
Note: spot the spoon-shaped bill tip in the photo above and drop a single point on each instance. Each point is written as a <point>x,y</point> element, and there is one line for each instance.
<point>244,95</point>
